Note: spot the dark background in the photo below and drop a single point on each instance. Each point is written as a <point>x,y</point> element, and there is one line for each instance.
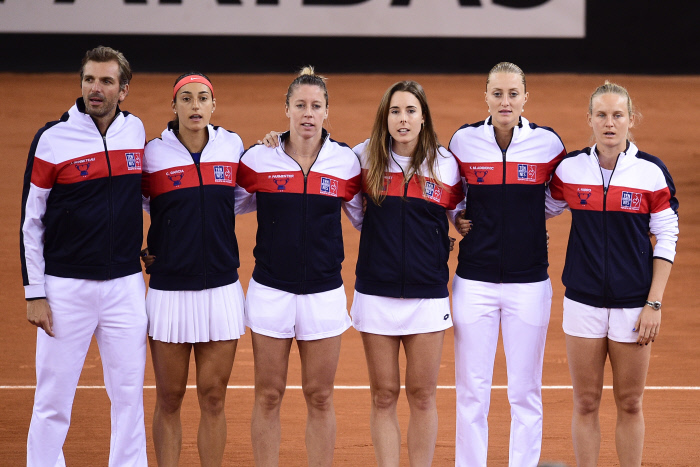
<point>622,36</point>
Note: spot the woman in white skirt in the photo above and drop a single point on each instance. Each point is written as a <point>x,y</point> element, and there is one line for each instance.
<point>409,183</point>
<point>297,290</point>
<point>195,301</point>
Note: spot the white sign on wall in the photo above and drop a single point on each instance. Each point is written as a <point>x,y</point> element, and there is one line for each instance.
<point>384,18</point>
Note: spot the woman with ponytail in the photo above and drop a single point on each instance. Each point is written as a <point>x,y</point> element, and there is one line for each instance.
<point>195,301</point>
<point>296,291</point>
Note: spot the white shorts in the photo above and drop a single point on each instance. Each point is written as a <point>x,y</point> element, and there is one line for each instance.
<point>617,324</point>
<point>180,316</point>
<point>389,316</point>
<point>283,315</point>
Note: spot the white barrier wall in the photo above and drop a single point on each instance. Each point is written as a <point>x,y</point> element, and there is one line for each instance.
<point>381,18</point>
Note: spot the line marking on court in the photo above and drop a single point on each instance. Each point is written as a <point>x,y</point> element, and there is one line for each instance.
<point>191,386</point>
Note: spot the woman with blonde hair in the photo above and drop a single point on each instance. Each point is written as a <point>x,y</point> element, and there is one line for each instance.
<point>501,280</point>
<point>297,291</point>
<point>614,277</point>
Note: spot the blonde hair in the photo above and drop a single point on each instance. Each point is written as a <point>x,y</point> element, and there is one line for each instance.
<point>379,147</point>
<point>507,67</point>
<point>307,75</point>
<point>614,88</point>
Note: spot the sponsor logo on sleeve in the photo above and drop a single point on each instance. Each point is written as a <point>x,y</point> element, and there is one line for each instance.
<point>583,195</point>
<point>223,174</point>
<point>175,176</point>
<point>527,172</point>
<point>133,160</point>
<point>432,191</point>
<point>329,186</point>
<point>631,200</point>
<point>83,165</point>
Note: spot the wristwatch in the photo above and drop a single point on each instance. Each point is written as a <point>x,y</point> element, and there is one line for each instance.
<point>655,305</point>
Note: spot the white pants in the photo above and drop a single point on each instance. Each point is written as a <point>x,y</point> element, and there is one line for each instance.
<point>522,311</point>
<point>114,311</point>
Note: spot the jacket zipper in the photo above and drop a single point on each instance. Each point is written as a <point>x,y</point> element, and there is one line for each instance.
<point>304,201</point>
<point>403,225</point>
<point>202,206</point>
<point>111,210</point>
<point>605,226</point>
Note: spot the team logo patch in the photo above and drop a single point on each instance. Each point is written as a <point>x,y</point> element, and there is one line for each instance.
<point>281,181</point>
<point>480,172</point>
<point>223,174</point>
<point>631,200</point>
<point>133,160</point>
<point>387,182</point>
<point>175,176</point>
<point>433,191</point>
<point>527,172</point>
<point>583,195</point>
<point>83,165</point>
<point>329,186</point>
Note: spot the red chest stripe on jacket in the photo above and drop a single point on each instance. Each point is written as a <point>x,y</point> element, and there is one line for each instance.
<point>270,182</point>
<point>186,176</point>
<point>219,173</point>
<point>43,173</point>
<point>125,161</point>
<point>174,178</point>
<point>583,197</point>
<point>80,169</point>
<point>328,185</point>
<point>446,196</point>
<point>491,173</point>
<point>623,199</point>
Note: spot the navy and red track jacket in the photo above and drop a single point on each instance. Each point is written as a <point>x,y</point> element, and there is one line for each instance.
<point>404,245</point>
<point>505,199</point>
<point>299,244</point>
<point>81,209</point>
<point>193,207</point>
<point>609,257</point>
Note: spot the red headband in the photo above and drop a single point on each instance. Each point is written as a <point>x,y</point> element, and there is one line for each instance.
<point>192,79</point>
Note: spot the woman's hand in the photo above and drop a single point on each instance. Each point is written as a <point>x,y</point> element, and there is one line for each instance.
<point>648,325</point>
<point>147,258</point>
<point>463,225</point>
<point>271,140</point>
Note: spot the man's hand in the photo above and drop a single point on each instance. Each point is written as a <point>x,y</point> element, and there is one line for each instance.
<point>39,314</point>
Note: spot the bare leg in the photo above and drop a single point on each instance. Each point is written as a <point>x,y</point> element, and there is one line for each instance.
<point>630,363</point>
<point>319,360</point>
<point>586,364</point>
<point>382,353</point>
<point>271,357</point>
<point>171,366</point>
<point>423,353</point>
<point>214,364</point>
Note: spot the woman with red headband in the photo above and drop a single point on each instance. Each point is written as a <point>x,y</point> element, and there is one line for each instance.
<point>195,301</point>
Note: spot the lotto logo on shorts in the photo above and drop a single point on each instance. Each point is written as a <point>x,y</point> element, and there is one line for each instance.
<point>527,172</point>
<point>223,174</point>
<point>631,200</point>
<point>432,191</point>
<point>133,160</point>
<point>329,186</point>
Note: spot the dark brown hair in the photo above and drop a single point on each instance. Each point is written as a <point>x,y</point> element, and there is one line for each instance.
<point>379,147</point>
<point>104,54</point>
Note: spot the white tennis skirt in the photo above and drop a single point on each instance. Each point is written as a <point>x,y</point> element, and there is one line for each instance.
<point>180,316</point>
<point>399,316</point>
